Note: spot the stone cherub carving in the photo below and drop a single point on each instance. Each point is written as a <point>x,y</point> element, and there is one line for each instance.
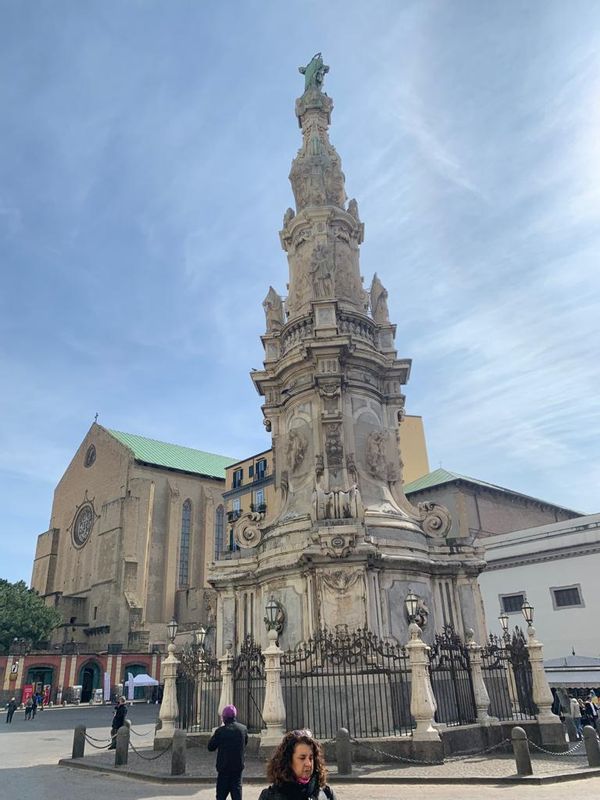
<point>379,307</point>
<point>273,306</point>
<point>314,73</point>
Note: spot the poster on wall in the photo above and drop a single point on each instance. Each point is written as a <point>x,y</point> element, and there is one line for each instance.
<point>27,692</point>
<point>47,690</point>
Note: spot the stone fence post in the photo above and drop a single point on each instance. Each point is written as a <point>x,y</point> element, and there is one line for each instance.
<point>422,700</point>
<point>480,692</point>
<point>168,710</point>
<point>551,730</point>
<point>273,712</point>
<point>226,664</point>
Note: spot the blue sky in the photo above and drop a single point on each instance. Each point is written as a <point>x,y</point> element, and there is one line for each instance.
<point>145,149</point>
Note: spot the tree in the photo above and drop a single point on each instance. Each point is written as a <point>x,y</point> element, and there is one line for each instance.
<point>24,615</point>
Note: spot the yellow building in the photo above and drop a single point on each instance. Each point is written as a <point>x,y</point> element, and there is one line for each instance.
<point>413,448</point>
<point>249,487</point>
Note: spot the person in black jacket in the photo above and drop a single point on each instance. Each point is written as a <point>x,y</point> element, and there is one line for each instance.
<point>230,741</point>
<point>297,770</point>
<point>118,721</point>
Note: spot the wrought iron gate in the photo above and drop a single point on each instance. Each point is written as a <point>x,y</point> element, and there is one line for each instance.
<point>347,679</point>
<point>248,673</point>
<point>451,679</point>
<point>198,690</point>
<point>507,675</point>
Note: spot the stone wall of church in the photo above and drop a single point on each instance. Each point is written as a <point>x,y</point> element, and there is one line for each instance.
<point>114,573</point>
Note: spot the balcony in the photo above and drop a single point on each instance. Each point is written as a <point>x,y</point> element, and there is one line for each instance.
<point>259,508</point>
<point>233,515</point>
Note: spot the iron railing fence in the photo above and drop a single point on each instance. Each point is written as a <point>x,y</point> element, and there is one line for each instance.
<point>198,690</point>
<point>507,674</point>
<point>347,679</point>
<point>451,679</point>
<point>248,674</point>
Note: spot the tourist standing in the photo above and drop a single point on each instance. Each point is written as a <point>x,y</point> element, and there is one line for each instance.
<point>28,708</point>
<point>297,770</point>
<point>11,707</point>
<point>118,721</point>
<point>230,741</point>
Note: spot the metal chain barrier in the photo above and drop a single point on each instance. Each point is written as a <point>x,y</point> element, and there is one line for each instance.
<point>552,753</point>
<point>151,758</point>
<point>95,746</point>
<point>150,733</point>
<point>395,757</point>
<point>93,738</point>
<point>460,757</point>
<point>463,756</point>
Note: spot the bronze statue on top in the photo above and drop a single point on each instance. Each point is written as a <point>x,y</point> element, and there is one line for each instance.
<point>314,73</point>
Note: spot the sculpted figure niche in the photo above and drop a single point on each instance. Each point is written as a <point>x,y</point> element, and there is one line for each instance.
<point>376,457</point>
<point>320,270</point>
<point>295,450</point>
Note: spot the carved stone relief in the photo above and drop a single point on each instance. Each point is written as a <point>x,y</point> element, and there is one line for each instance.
<point>295,450</point>
<point>333,446</point>
<point>376,454</point>
<point>340,580</point>
<point>321,271</point>
<point>273,306</point>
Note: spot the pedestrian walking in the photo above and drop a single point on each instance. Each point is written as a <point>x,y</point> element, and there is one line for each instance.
<point>118,721</point>
<point>33,706</point>
<point>28,708</point>
<point>229,740</point>
<point>576,714</point>
<point>297,770</point>
<point>11,707</point>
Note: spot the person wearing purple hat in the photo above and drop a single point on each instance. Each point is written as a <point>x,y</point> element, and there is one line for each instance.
<point>229,741</point>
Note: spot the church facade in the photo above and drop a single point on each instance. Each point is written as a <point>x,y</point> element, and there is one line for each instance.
<point>127,547</point>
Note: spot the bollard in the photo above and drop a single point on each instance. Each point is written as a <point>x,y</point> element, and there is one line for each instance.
<point>78,741</point>
<point>520,747</point>
<point>122,749</point>
<point>343,752</point>
<point>179,752</point>
<point>592,746</point>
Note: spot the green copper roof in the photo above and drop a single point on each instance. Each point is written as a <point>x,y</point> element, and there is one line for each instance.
<point>174,456</point>
<point>441,476</point>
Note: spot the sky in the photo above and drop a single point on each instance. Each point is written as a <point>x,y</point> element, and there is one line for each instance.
<point>145,148</point>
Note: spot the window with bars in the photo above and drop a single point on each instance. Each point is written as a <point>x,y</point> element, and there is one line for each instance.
<point>219,531</point>
<point>238,477</point>
<point>184,545</point>
<point>567,596</point>
<point>512,603</point>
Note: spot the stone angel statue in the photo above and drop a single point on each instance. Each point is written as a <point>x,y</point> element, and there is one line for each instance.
<point>273,306</point>
<point>379,306</point>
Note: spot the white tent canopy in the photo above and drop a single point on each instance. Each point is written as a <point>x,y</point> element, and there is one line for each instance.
<point>143,680</point>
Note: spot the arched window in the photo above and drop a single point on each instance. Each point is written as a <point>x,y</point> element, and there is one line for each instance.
<point>219,531</point>
<point>184,545</point>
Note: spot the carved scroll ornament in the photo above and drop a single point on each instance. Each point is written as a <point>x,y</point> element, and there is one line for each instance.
<point>435,519</point>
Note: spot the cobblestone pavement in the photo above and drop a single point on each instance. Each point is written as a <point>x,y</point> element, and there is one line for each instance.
<point>29,771</point>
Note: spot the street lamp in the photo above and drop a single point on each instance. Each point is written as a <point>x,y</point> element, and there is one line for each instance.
<point>172,629</point>
<point>411,603</point>
<point>199,637</point>
<point>527,610</point>
<point>503,619</point>
<point>274,616</point>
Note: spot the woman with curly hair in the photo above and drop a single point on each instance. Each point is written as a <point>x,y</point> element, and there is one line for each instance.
<point>297,770</point>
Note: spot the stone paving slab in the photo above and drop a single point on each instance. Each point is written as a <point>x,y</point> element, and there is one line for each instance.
<point>147,764</point>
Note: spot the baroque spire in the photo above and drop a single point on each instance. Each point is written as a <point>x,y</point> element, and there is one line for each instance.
<point>322,236</point>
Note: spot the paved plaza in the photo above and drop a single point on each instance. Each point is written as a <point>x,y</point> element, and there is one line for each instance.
<point>30,751</point>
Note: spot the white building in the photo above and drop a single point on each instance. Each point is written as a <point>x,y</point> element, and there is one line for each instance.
<point>556,568</point>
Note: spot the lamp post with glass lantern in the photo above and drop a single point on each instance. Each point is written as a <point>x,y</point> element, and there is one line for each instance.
<point>273,712</point>
<point>169,710</point>
<point>422,700</point>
